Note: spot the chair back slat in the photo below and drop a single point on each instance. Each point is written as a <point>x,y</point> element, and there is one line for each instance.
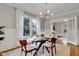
<point>53,40</point>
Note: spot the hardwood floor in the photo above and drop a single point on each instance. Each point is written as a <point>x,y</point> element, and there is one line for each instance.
<point>7,50</point>
<point>74,50</point>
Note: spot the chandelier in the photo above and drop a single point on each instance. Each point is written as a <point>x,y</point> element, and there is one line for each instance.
<point>46,12</point>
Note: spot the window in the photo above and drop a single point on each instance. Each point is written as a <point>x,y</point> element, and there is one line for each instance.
<point>34,27</point>
<point>26,27</point>
<point>29,27</point>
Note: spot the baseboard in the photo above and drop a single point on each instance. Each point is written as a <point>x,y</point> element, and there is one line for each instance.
<point>10,49</point>
<point>73,43</point>
<point>77,42</point>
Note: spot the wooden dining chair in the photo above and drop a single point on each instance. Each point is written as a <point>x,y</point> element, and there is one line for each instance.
<point>24,47</point>
<point>51,45</point>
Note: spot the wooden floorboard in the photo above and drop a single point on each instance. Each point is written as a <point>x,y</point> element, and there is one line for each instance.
<point>9,50</point>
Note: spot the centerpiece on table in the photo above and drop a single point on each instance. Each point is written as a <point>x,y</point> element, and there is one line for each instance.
<point>43,37</point>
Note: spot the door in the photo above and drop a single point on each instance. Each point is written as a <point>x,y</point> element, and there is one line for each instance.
<point>72,29</point>
<point>48,27</point>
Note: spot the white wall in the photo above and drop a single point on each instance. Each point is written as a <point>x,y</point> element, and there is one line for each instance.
<point>77,30</point>
<point>7,18</point>
<point>12,18</point>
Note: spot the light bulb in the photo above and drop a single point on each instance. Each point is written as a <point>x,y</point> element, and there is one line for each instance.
<point>40,13</point>
<point>41,16</point>
<point>65,20</point>
<point>48,11</point>
<point>51,14</point>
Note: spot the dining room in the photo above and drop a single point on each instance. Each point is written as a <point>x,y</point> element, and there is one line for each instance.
<point>39,29</point>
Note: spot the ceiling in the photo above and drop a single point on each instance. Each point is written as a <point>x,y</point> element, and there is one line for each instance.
<point>56,8</point>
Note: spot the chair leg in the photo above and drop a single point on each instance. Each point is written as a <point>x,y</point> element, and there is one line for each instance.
<point>22,49</point>
<point>51,51</point>
<point>25,51</point>
<point>55,49</point>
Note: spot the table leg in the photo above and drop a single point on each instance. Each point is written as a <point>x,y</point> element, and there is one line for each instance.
<point>43,49</point>
<point>37,49</point>
<point>47,50</point>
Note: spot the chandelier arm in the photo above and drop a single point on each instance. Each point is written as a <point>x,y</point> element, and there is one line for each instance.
<point>46,13</point>
<point>46,9</point>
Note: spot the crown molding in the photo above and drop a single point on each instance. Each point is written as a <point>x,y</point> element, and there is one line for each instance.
<point>73,11</point>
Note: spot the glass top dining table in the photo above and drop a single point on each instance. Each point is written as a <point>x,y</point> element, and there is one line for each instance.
<point>42,40</point>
